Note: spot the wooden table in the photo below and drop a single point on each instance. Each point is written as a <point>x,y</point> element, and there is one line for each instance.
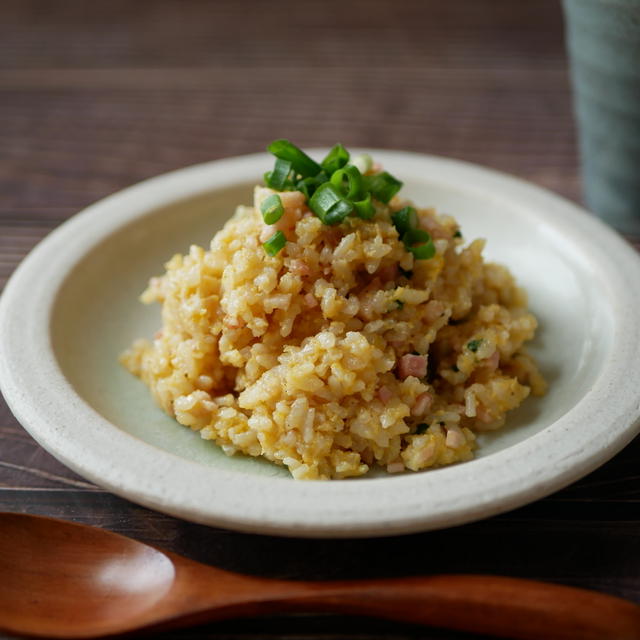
<point>95,96</point>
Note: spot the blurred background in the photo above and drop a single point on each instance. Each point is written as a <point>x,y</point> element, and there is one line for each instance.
<point>95,96</point>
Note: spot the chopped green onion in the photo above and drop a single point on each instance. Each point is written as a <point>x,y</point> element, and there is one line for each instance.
<point>425,248</point>
<point>336,159</point>
<point>364,208</point>
<point>457,233</point>
<point>422,428</point>
<point>405,219</point>
<point>308,186</point>
<point>353,179</point>
<point>474,345</point>
<point>277,178</point>
<point>383,186</point>
<point>329,205</point>
<point>272,209</point>
<point>275,243</point>
<point>299,160</point>
<point>424,251</point>
<point>336,188</point>
<point>304,188</point>
<point>339,212</point>
<point>415,236</point>
<point>399,303</point>
<point>363,162</point>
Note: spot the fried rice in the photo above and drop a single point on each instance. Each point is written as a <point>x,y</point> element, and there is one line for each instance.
<point>342,352</point>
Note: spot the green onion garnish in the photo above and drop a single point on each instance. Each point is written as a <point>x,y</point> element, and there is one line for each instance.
<point>364,208</point>
<point>474,345</point>
<point>364,162</point>
<point>275,243</point>
<point>405,219</point>
<point>335,189</point>
<point>336,159</point>
<point>329,205</point>
<point>299,160</point>
<point>383,186</point>
<point>457,233</point>
<point>338,213</point>
<point>348,182</point>
<point>309,185</point>
<point>419,242</point>
<point>277,179</point>
<point>272,209</point>
<point>424,251</point>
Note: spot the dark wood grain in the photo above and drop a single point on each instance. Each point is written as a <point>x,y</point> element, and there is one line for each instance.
<point>96,96</point>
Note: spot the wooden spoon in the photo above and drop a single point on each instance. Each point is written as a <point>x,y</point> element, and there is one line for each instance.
<point>64,580</point>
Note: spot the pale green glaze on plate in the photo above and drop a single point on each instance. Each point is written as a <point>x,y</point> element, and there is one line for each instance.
<point>60,337</point>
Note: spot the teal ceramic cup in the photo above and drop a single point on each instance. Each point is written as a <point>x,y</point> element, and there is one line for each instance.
<point>603,41</point>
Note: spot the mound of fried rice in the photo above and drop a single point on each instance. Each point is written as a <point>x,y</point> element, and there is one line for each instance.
<point>341,352</point>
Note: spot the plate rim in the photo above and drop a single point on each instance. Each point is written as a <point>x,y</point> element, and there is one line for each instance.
<point>48,406</point>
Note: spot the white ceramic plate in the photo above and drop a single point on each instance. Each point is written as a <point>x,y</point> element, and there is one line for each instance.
<point>71,307</point>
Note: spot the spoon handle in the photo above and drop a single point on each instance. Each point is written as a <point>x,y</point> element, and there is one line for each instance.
<point>504,607</point>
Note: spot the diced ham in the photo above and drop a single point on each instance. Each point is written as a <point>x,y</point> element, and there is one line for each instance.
<point>412,365</point>
<point>385,394</point>
<point>310,300</point>
<point>422,405</point>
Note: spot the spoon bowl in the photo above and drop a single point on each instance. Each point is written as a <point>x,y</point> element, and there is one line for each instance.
<point>49,562</point>
<point>66,580</point>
